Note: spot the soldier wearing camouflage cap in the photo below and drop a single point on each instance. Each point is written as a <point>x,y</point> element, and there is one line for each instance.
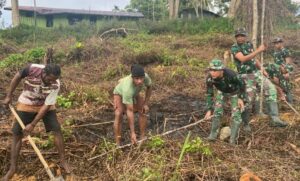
<point>248,67</point>
<point>229,85</point>
<point>283,59</point>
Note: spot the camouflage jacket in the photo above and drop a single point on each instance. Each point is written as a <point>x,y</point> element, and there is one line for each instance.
<point>245,67</point>
<point>279,58</point>
<point>274,71</point>
<point>230,83</point>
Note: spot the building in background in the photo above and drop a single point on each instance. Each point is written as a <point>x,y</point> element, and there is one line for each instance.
<point>57,17</point>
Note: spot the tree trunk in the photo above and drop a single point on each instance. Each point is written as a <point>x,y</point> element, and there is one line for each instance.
<point>197,11</point>
<point>15,13</point>
<point>201,9</point>
<point>255,24</point>
<point>176,8</point>
<point>171,9</point>
<point>234,5</point>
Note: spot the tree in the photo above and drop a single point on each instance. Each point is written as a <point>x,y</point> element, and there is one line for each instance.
<point>15,13</point>
<point>2,3</point>
<point>151,9</point>
<point>173,8</point>
<point>277,12</point>
<point>202,4</point>
<point>234,5</point>
<point>255,24</point>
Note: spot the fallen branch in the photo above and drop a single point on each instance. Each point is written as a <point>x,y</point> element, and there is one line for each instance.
<point>122,31</point>
<point>140,141</point>
<point>91,124</point>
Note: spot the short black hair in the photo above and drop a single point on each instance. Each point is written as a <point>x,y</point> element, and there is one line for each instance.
<point>52,69</point>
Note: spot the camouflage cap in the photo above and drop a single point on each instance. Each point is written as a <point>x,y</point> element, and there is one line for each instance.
<point>277,40</point>
<point>216,64</point>
<point>240,31</point>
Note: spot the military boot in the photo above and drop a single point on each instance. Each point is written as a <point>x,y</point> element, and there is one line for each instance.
<point>215,124</point>
<point>273,113</point>
<point>245,120</point>
<point>234,132</point>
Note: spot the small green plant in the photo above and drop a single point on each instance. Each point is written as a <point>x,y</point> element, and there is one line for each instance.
<point>111,72</point>
<point>17,60</point>
<point>108,146</point>
<point>150,174</point>
<point>198,146</point>
<point>66,102</point>
<point>155,142</point>
<point>49,143</point>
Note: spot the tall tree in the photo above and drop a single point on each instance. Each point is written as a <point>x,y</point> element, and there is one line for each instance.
<point>173,8</point>
<point>255,24</point>
<point>151,9</point>
<point>203,4</point>
<point>15,13</point>
<point>234,5</point>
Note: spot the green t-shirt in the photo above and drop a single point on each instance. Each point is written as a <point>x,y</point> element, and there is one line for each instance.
<point>127,90</point>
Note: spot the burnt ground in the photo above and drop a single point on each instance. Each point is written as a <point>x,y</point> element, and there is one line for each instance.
<point>178,99</point>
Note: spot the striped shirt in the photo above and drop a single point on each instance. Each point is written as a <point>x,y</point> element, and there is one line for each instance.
<point>35,92</point>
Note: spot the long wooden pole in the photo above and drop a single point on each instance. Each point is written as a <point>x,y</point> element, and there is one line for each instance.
<point>140,141</point>
<point>262,58</point>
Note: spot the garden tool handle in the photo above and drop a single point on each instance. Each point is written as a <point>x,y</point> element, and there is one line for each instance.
<point>292,108</point>
<point>37,151</point>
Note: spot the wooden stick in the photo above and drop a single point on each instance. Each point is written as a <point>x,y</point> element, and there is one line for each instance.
<point>91,124</point>
<point>140,141</point>
<point>262,59</point>
<point>292,108</point>
<point>38,152</point>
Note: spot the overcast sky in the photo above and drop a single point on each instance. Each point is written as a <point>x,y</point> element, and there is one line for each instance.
<point>106,5</point>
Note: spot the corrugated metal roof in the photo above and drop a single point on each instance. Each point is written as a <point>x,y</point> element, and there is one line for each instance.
<point>48,11</point>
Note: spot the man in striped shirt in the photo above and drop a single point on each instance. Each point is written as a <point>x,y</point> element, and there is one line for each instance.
<point>36,102</point>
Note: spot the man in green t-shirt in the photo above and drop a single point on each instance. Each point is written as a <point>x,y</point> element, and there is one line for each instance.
<point>127,99</point>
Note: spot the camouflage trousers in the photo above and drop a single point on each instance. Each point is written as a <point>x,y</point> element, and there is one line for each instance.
<point>253,82</point>
<point>219,104</point>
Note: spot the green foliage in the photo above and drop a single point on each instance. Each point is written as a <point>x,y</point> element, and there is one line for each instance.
<point>194,26</point>
<point>107,146</point>
<point>179,73</point>
<point>155,142</point>
<point>150,174</point>
<point>17,60</point>
<point>197,63</point>
<point>94,94</point>
<point>66,102</point>
<point>111,72</point>
<point>76,52</point>
<point>49,143</point>
<point>198,146</point>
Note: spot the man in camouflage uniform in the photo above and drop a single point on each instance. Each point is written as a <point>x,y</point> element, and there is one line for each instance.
<point>230,85</point>
<point>277,78</point>
<point>283,62</point>
<point>248,67</point>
